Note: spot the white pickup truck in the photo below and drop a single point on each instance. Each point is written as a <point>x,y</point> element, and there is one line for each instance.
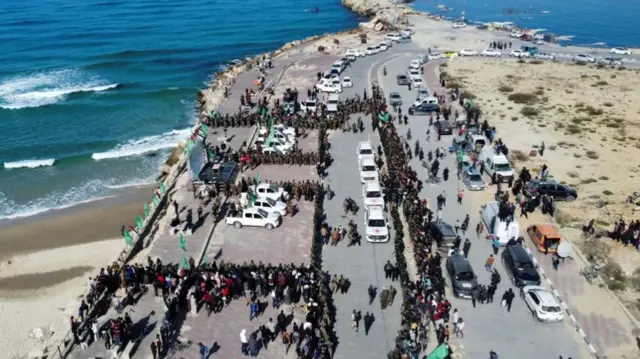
<point>269,190</point>
<point>254,217</point>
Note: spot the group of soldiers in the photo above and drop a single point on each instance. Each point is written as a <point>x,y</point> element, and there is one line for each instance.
<point>296,157</point>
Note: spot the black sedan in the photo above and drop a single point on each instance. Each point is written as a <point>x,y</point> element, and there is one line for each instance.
<point>402,80</point>
<point>424,109</point>
<point>443,127</point>
<point>395,99</point>
<point>558,191</point>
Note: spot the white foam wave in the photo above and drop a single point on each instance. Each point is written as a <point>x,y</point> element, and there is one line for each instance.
<point>46,88</point>
<point>30,164</point>
<point>145,145</point>
<point>130,184</point>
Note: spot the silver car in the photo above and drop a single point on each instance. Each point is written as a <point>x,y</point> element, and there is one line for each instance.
<point>472,179</point>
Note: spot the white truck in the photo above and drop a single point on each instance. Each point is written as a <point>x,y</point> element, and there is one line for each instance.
<point>270,205</point>
<point>375,223</point>
<point>254,217</point>
<point>269,190</point>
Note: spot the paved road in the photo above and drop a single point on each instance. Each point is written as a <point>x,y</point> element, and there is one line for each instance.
<point>489,326</point>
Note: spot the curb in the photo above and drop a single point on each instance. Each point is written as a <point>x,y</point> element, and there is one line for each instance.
<point>564,304</point>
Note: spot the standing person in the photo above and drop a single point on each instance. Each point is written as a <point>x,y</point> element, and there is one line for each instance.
<point>507,299</point>
<point>475,295</point>
<point>479,229</point>
<point>154,349</point>
<point>354,320</point>
<point>372,294</point>
<point>203,350</point>
<point>459,328</point>
<point>244,341</point>
<point>556,262</point>
<point>489,263</point>
<point>466,248</point>
<point>460,195</point>
<point>384,297</point>
<point>496,245</point>
<point>454,318</point>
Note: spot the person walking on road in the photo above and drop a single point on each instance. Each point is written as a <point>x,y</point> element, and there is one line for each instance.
<point>466,248</point>
<point>372,294</point>
<point>496,245</point>
<point>489,263</point>
<point>479,229</point>
<point>460,195</point>
<point>459,328</point>
<point>507,299</point>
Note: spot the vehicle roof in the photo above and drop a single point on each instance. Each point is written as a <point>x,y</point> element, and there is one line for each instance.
<point>446,229</point>
<point>365,145</point>
<point>376,211</point>
<point>547,230</point>
<point>394,94</point>
<point>546,298</point>
<point>401,75</point>
<point>372,186</point>
<point>519,253</point>
<point>471,169</point>
<point>368,161</point>
<point>461,264</point>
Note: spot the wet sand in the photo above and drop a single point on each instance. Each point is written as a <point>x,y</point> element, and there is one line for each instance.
<point>84,223</point>
<point>35,281</point>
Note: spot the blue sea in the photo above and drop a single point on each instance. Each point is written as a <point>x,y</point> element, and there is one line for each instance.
<point>95,93</point>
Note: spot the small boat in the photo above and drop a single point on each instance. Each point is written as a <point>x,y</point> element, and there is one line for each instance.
<point>314,9</point>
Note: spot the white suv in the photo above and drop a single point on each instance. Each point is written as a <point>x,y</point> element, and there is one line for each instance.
<point>375,222</point>
<point>519,53</point>
<point>372,193</point>
<point>584,58</point>
<point>368,170</point>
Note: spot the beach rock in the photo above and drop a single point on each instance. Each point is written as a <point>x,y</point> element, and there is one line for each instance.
<point>379,26</point>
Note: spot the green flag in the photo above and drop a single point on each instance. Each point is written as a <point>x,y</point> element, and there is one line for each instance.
<point>163,188</point>
<point>183,242</point>
<point>440,352</point>
<point>264,110</point>
<point>384,117</point>
<point>127,238</point>
<point>252,197</point>
<point>204,128</point>
<point>214,114</point>
<point>146,210</point>
<point>212,154</point>
<point>471,104</point>
<point>258,177</point>
<point>155,200</point>
<point>257,109</point>
<point>185,263</point>
<point>139,222</point>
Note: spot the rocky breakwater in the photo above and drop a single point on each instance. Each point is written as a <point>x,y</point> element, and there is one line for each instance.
<point>384,14</point>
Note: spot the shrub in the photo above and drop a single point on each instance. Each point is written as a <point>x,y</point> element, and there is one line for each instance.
<point>536,62</point>
<point>604,178</point>
<point>320,48</point>
<point>517,155</point>
<point>595,250</point>
<point>505,88</point>
<point>602,83</point>
<point>592,155</point>
<point>588,181</point>
<point>528,111</point>
<point>613,276</point>
<point>523,98</point>
<point>593,111</point>
<point>572,174</point>
<point>606,192</point>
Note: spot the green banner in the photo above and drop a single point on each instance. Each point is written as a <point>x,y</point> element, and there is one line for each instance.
<point>252,197</point>
<point>212,154</point>
<point>185,263</point>
<point>146,210</point>
<point>155,200</point>
<point>258,177</point>
<point>139,223</point>
<point>183,242</point>
<point>384,117</point>
<point>471,104</point>
<point>127,238</point>
<point>163,188</point>
<point>440,352</point>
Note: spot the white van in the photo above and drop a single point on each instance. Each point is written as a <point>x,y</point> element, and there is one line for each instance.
<point>372,193</point>
<point>394,36</point>
<point>496,163</point>
<point>376,228</point>
<point>368,170</point>
<point>332,104</point>
<point>499,229</point>
<point>339,66</point>
<point>415,64</point>
<point>426,101</point>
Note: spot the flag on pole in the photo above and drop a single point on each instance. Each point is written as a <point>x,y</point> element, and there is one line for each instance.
<point>384,117</point>
<point>146,210</point>
<point>139,222</point>
<point>183,242</point>
<point>185,263</point>
<point>212,154</point>
<point>471,104</point>
<point>127,238</point>
<point>252,197</point>
<point>258,177</point>
<point>163,188</point>
<point>155,200</point>
<point>441,352</point>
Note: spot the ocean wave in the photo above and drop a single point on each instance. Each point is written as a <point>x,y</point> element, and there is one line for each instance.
<point>30,164</point>
<point>46,88</point>
<point>144,145</point>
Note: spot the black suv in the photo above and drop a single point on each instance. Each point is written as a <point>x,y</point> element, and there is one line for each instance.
<point>424,109</point>
<point>444,127</point>
<point>402,80</point>
<point>558,191</point>
<point>519,266</point>
<point>443,233</point>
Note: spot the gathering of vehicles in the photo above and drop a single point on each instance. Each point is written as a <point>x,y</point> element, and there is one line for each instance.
<point>375,218</point>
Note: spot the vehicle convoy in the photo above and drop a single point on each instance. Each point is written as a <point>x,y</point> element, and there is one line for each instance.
<point>368,170</point>
<point>365,150</point>
<point>253,217</point>
<point>372,193</point>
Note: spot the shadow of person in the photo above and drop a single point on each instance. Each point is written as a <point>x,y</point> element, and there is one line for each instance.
<point>368,322</point>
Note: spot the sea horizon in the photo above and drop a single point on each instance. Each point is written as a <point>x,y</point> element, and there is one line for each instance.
<point>90,108</point>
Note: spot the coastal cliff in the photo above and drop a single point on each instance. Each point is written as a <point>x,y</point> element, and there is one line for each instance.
<point>369,8</point>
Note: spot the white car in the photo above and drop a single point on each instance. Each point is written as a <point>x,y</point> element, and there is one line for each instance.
<point>353,52</point>
<point>370,50</point>
<point>377,49</point>
<point>277,145</point>
<point>264,132</point>
<point>516,34</point>
<point>325,87</point>
<point>375,222</point>
<point>269,190</point>
<point>289,131</point>
<point>543,56</point>
<point>415,64</point>
<point>254,217</point>
<point>413,74</point>
<point>372,193</point>
<point>383,46</point>
<point>422,94</point>
<point>310,104</point>
<point>273,151</point>
<point>271,206</point>
<point>491,53</point>
<point>435,56</point>
<point>467,52</point>
<point>519,53</point>
<point>417,83</point>
<point>346,82</point>
<point>394,36</point>
<point>584,58</point>
<point>542,303</point>
<point>407,32</point>
<point>620,51</point>
<point>365,150</point>
<point>368,170</point>
<point>613,61</point>
<point>459,25</point>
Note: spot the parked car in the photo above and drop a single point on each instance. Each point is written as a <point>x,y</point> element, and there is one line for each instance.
<point>444,127</point>
<point>472,179</point>
<point>584,58</point>
<point>423,93</point>
<point>375,222</point>
<point>467,52</point>
<point>365,150</point>
<point>518,53</point>
<point>543,56</point>
<point>459,25</point>
<point>394,36</point>
<point>346,82</point>
<point>443,233</point>
<point>613,61</point>
<point>370,50</point>
<point>620,51</point>
<point>270,205</point>
<point>542,303</point>
<point>491,53</point>
<point>395,99</point>
<point>413,74</point>
<point>558,191</point>
<point>463,279</point>
<point>269,190</point>
<point>435,56</point>
<point>326,87</point>
<point>254,217</point>
<point>449,54</point>
<point>519,266</point>
<point>424,109</point>
<point>402,80</point>
<point>417,82</point>
<point>311,104</point>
